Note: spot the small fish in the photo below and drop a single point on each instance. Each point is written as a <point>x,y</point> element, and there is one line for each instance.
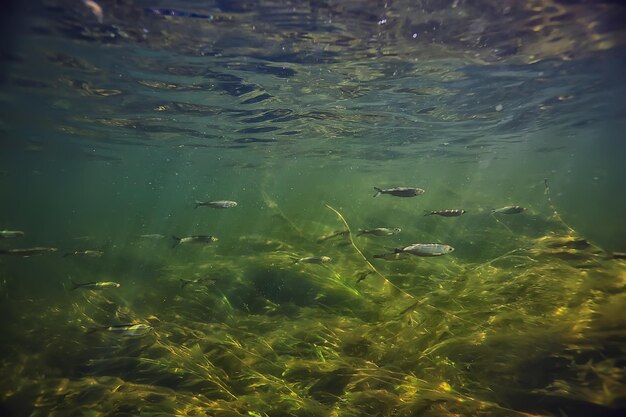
<point>332,235</point>
<point>129,330</point>
<point>380,231</point>
<point>390,256</point>
<point>193,239</point>
<point>362,275</point>
<point>84,238</point>
<point>205,281</point>
<point>154,236</point>
<point>89,253</point>
<point>26,252</point>
<point>509,210</point>
<point>399,191</point>
<point>9,234</point>
<point>566,242</point>
<point>97,285</point>
<point>425,249</point>
<point>221,204</point>
<point>445,213</point>
<point>314,260</point>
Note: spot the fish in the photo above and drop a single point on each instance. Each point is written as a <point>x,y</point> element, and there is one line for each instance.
<point>380,231</point>
<point>9,234</point>
<point>425,249</point>
<point>399,191</point>
<point>566,242</point>
<point>390,256</point>
<point>96,285</point>
<point>445,213</point>
<point>362,275</point>
<point>128,330</point>
<point>221,204</point>
<point>89,253</point>
<point>332,235</point>
<point>26,252</point>
<point>314,260</point>
<point>154,236</point>
<point>509,210</point>
<point>205,280</point>
<point>84,238</point>
<point>194,239</point>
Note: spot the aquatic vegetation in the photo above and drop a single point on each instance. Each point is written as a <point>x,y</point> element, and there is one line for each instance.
<point>268,336</point>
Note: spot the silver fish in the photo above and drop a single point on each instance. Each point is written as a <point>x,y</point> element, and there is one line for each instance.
<point>221,204</point>
<point>194,239</point>
<point>390,256</point>
<point>380,231</point>
<point>205,281</point>
<point>26,252</point>
<point>425,249</point>
<point>509,210</point>
<point>129,330</point>
<point>8,234</point>
<point>399,191</point>
<point>314,260</point>
<point>154,236</point>
<point>445,213</point>
<point>89,253</point>
<point>332,235</point>
<point>98,285</point>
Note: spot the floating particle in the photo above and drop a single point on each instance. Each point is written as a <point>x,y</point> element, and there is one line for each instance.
<point>499,107</point>
<point>95,9</point>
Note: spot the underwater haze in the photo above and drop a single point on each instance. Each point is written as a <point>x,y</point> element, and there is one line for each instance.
<point>313,208</point>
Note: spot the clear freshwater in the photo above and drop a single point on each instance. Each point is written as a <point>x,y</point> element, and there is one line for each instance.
<point>116,116</point>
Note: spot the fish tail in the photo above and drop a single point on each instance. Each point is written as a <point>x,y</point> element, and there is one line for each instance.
<point>427,213</point>
<point>378,191</point>
<point>360,232</point>
<point>176,241</point>
<point>75,285</point>
<point>198,204</point>
<point>184,283</point>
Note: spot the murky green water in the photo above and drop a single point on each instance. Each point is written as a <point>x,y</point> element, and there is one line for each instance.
<point>110,131</point>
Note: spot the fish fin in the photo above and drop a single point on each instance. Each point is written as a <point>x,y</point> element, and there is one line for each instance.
<point>176,241</point>
<point>378,191</point>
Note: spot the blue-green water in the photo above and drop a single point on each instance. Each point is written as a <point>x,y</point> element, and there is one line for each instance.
<point>112,127</point>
